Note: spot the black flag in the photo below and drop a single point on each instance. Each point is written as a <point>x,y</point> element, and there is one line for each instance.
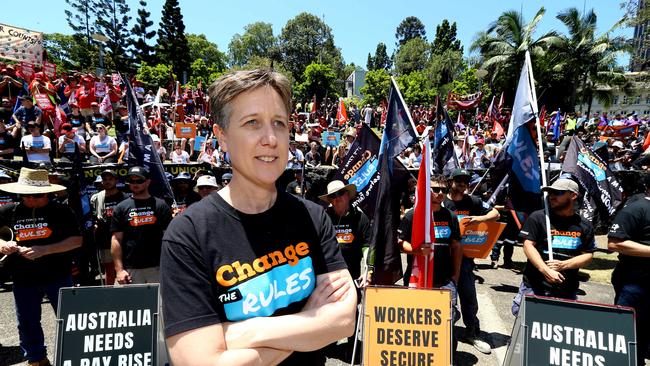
<point>594,175</point>
<point>443,155</point>
<point>361,168</point>
<point>384,255</point>
<point>141,148</point>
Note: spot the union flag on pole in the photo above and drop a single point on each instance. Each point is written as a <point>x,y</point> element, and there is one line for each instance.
<point>341,113</point>
<point>422,230</point>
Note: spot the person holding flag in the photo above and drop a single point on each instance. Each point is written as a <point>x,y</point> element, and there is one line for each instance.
<point>470,210</point>
<point>555,274</point>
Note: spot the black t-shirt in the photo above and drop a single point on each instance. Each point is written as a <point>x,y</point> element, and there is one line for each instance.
<point>446,229</point>
<point>121,126</point>
<point>99,118</point>
<point>42,226</point>
<point>76,120</point>
<point>182,203</point>
<point>5,115</point>
<point>633,223</point>
<point>353,234</point>
<point>571,237</point>
<point>468,206</point>
<point>221,265</point>
<point>103,231</point>
<point>143,223</point>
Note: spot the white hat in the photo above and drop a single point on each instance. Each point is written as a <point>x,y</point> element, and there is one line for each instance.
<point>32,181</point>
<point>155,138</point>
<point>207,180</point>
<point>337,185</point>
<point>618,144</point>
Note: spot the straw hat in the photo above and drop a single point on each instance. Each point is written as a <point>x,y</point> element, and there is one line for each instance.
<point>336,186</point>
<point>31,181</point>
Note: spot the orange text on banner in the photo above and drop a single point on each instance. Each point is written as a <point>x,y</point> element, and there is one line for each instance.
<point>405,326</point>
<point>478,239</point>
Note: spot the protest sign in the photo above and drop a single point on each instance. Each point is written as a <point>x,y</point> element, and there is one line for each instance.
<point>108,326</point>
<point>27,70</point>
<point>478,239</point>
<point>100,89</point>
<point>407,326</point>
<point>185,130</point>
<point>117,79</point>
<point>49,69</point>
<point>43,102</point>
<point>331,138</point>
<point>198,143</point>
<point>551,331</point>
<point>619,131</point>
<point>21,44</point>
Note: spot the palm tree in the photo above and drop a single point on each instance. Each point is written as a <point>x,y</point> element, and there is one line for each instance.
<point>505,43</point>
<point>589,62</point>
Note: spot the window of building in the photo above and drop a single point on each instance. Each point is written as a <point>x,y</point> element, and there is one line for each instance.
<point>615,100</point>
<point>624,99</point>
<point>637,99</point>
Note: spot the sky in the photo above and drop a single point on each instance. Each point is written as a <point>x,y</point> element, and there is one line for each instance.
<point>357,25</point>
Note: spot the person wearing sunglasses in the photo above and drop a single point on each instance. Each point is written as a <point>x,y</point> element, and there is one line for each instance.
<point>103,148</point>
<point>469,209</point>
<point>137,226</point>
<point>252,274</point>
<point>447,252</point>
<point>44,234</point>
<point>573,246</point>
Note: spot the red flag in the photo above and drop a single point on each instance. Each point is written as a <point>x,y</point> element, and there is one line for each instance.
<point>646,142</point>
<point>313,105</point>
<point>542,116</point>
<point>498,129</point>
<point>502,100</point>
<point>105,106</point>
<point>422,230</point>
<point>341,113</point>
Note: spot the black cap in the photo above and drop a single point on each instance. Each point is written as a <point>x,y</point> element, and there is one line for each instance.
<point>139,171</point>
<point>109,172</point>
<point>460,173</point>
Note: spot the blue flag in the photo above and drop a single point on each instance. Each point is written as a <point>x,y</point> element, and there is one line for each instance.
<point>525,162</point>
<point>141,148</point>
<point>556,126</point>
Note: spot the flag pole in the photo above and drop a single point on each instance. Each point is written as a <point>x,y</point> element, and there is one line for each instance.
<point>540,149</point>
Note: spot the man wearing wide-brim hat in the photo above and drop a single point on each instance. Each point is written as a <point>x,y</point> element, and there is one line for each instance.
<point>44,232</point>
<point>352,228</point>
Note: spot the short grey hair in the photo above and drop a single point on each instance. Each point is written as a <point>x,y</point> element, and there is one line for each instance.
<point>230,85</point>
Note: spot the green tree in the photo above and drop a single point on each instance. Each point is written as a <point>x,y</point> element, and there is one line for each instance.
<point>306,39</point>
<point>381,59</point>
<point>153,77</point>
<point>416,88</point>
<point>113,22</point>
<point>467,83</point>
<point>370,63</point>
<point>412,56</point>
<point>172,44</point>
<point>201,48</point>
<point>411,27</point>
<point>584,58</point>
<point>257,40</point>
<point>66,51</point>
<point>80,18</point>
<point>143,52</point>
<point>319,80</point>
<point>445,67</point>
<point>446,39</point>
<point>376,88</point>
<point>505,43</point>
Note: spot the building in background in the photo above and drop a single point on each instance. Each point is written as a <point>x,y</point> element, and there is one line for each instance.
<point>355,82</point>
<point>641,40</point>
<point>636,101</point>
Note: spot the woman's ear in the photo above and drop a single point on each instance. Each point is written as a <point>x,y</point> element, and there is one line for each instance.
<point>221,137</point>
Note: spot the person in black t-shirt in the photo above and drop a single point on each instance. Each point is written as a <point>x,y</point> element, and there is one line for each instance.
<point>39,255</point>
<point>137,226</point>
<point>7,141</point>
<point>446,247</point>
<point>629,235</point>
<point>469,210</point>
<point>572,244</point>
<point>250,274</point>
<point>182,186</point>
<point>103,204</point>
<point>121,123</point>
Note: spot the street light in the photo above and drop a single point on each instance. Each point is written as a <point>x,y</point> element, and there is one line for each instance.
<point>100,38</point>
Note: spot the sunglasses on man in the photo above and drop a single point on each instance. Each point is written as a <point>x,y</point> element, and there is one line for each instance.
<point>136,181</point>
<point>438,190</point>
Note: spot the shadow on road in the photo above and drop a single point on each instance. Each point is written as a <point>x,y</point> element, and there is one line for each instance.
<point>465,358</point>
<point>11,355</point>
<point>505,288</point>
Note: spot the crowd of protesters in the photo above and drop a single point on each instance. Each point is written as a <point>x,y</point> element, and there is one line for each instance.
<point>81,124</point>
